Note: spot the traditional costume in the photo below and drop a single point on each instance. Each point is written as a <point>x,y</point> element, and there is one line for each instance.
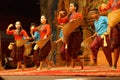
<point>114,23</point>
<point>44,30</point>
<point>18,51</point>
<point>72,37</point>
<point>75,38</point>
<point>36,51</point>
<point>63,51</point>
<point>102,39</point>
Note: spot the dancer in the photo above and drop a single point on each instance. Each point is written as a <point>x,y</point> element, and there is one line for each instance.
<point>111,5</point>
<point>115,31</point>
<point>75,38</point>
<point>45,31</point>
<point>63,51</point>
<point>18,34</point>
<point>36,36</point>
<point>114,5</point>
<point>102,38</point>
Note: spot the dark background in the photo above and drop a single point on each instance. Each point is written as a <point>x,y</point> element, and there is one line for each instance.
<point>20,7</point>
<point>26,11</point>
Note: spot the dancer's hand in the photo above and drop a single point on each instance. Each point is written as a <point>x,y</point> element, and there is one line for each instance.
<point>45,36</point>
<point>62,12</point>
<point>103,6</point>
<point>10,25</point>
<point>72,20</point>
<point>60,26</point>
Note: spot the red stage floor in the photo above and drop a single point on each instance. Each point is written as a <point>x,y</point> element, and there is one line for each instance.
<point>63,71</point>
<point>101,69</point>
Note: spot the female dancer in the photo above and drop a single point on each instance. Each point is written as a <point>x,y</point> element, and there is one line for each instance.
<point>18,34</point>
<point>75,38</point>
<point>45,31</point>
<point>63,52</point>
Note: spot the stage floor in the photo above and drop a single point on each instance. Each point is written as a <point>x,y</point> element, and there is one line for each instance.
<point>102,69</point>
<point>57,78</point>
<point>64,71</point>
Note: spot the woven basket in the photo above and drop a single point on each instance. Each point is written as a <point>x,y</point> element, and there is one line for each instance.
<point>41,43</point>
<point>113,18</point>
<point>20,43</point>
<point>27,49</point>
<point>70,27</point>
<point>10,46</point>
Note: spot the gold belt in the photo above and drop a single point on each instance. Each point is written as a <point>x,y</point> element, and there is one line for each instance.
<point>103,36</point>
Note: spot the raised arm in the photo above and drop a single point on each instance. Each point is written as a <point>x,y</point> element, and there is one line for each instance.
<point>60,19</point>
<point>8,31</point>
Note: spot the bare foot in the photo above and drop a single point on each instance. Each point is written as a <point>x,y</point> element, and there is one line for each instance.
<point>82,67</point>
<point>17,69</point>
<point>39,69</point>
<point>35,67</point>
<point>22,67</point>
<point>66,66</point>
<point>114,68</point>
<point>49,67</point>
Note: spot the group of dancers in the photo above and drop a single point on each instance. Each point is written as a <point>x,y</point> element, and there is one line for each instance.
<point>18,51</point>
<point>71,43</point>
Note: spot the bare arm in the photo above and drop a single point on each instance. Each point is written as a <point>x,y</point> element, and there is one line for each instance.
<point>8,31</point>
<point>58,40</point>
<point>94,35</point>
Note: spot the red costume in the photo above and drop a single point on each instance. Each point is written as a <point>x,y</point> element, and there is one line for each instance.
<point>45,30</point>
<point>115,31</point>
<point>17,52</point>
<point>17,36</point>
<point>75,37</point>
<point>68,18</point>
<point>112,4</point>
